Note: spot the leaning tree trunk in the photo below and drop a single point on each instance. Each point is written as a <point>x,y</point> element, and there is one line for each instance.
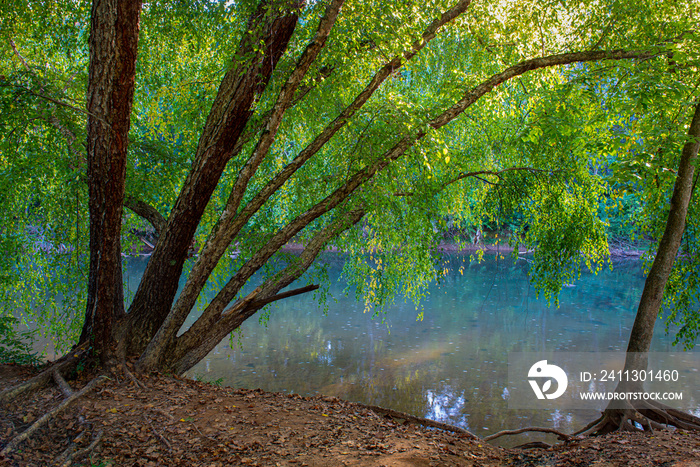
<point>650,303</point>
<point>113,47</point>
<point>230,112</point>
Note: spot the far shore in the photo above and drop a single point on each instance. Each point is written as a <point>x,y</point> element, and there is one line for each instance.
<point>617,252</point>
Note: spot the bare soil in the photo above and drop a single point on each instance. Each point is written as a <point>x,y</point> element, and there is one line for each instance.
<point>173,421</point>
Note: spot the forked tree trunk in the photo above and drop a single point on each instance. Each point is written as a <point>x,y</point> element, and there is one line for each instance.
<point>113,47</point>
<point>274,25</point>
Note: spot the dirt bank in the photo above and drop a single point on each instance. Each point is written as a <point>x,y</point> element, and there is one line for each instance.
<point>173,421</point>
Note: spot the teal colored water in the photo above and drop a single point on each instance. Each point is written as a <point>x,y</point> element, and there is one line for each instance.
<point>452,365</point>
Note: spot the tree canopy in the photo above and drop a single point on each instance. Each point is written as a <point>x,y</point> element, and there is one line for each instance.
<point>375,127</point>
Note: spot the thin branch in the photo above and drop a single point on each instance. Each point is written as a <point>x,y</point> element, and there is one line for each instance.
<point>603,34</point>
<point>60,103</point>
<point>477,174</point>
<point>160,437</point>
<point>498,174</point>
<point>291,293</point>
<point>84,452</point>
<point>21,59</point>
<point>148,212</point>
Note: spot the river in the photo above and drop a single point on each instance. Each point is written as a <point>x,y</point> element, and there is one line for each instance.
<point>452,365</point>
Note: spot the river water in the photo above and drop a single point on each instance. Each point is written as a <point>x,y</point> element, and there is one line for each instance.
<point>452,365</point>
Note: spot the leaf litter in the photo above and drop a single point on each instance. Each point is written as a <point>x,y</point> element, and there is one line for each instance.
<point>176,421</point>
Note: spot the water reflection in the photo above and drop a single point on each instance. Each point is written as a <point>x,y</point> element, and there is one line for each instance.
<point>452,366</point>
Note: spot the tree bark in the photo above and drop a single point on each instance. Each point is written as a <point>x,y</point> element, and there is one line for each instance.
<point>113,49</point>
<point>205,264</point>
<point>146,211</point>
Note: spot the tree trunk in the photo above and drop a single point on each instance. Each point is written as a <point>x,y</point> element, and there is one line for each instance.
<point>650,414</point>
<point>652,295</point>
<point>113,49</point>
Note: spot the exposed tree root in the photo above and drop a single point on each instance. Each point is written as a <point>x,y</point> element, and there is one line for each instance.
<point>160,437</point>
<point>560,435</point>
<point>587,427</point>
<point>14,442</point>
<point>420,421</point>
<point>76,455</point>
<point>533,445</point>
<point>70,450</point>
<point>63,365</point>
<point>62,384</point>
<point>649,415</point>
<point>131,376</point>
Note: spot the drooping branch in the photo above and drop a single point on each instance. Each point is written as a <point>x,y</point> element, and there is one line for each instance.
<point>43,96</point>
<point>477,175</point>
<point>212,313</point>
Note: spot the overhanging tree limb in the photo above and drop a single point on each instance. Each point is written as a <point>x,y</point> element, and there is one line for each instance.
<point>477,174</point>
<point>208,259</point>
<point>231,222</point>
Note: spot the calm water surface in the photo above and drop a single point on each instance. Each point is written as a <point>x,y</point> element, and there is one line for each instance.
<point>452,365</point>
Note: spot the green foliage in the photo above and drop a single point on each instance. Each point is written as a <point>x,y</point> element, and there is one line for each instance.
<point>217,382</point>
<point>562,158</point>
<point>15,347</point>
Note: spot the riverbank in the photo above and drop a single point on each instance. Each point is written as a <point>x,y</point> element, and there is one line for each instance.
<point>175,421</point>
